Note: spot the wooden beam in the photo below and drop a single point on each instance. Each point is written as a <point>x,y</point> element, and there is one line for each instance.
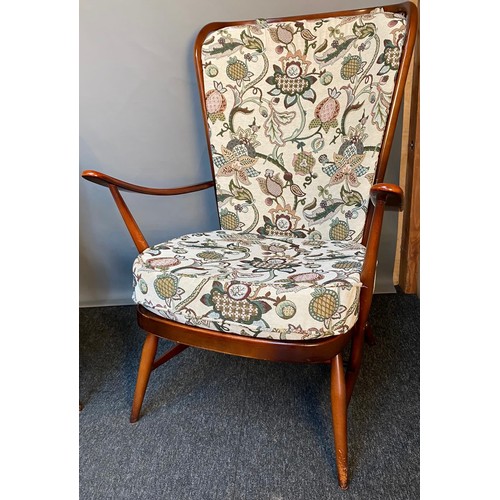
<point>408,244</point>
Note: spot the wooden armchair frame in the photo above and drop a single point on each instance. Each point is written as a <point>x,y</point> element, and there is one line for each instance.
<point>328,350</point>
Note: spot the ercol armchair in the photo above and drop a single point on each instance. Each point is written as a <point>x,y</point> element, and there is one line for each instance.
<point>299,114</point>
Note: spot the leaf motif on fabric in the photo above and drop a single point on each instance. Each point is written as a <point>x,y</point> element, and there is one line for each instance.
<point>290,100</point>
<point>364,30</point>
<point>322,47</point>
<point>252,42</point>
<point>273,123</point>
<point>222,198</point>
<point>311,206</point>
<point>263,306</point>
<point>274,35</point>
<point>351,198</point>
<point>334,53</point>
<point>322,213</point>
<point>380,111</point>
<point>315,122</point>
<point>236,95</point>
<point>297,191</point>
<point>309,95</point>
<point>222,50</point>
<point>360,170</point>
<point>240,193</point>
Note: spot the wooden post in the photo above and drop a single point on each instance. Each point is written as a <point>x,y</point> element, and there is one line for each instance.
<point>406,266</point>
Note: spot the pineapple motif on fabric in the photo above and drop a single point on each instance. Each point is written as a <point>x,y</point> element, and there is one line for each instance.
<point>296,113</point>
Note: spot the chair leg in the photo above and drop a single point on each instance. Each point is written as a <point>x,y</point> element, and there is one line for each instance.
<point>354,364</point>
<point>145,368</point>
<point>339,417</point>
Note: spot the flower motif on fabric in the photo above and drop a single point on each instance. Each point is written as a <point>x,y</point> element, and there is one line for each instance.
<point>292,79</point>
<point>345,167</point>
<point>232,304</point>
<point>283,33</point>
<point>246,137</point>
<point>271,185</point>
<point>356,135</point>
<point>389,58</point>
<point>236,162</point>
<point>275,248</point>
<point>347,163</point>
<point>326,112</point>
<point>216,103</point>
<point>286,309</point>
<point>303,163</point>
<point>283,222</point>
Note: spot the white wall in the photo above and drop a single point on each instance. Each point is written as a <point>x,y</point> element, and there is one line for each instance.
<point>140,121</point>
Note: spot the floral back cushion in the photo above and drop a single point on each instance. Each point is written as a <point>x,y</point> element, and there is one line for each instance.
<point>296,114</point>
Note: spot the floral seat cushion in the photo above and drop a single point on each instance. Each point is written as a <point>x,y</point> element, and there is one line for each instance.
<point>250,284</point>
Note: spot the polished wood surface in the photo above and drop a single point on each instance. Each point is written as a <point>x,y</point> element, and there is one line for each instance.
<point>339,418</point>
<point>407,259</point>
<point>106,180</point>
<point>390,194</point>
<point>145,369</point>
<point>382,196</point>
<point>132,226</point>
<point>410,240</point>
<point>115,185</point>
<point>310,351</point>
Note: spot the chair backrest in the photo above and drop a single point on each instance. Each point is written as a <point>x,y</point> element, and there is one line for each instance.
<point>300,114</point>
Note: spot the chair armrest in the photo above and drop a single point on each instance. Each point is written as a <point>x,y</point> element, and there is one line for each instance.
<point>389,194</point>
<point>106,180</point>
<point>383,196</point>
<point>115,185</point>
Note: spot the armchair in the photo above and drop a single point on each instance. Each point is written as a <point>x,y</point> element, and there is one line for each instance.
<point>299,115</point>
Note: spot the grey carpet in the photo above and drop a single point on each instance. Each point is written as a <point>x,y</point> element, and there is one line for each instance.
<point>219,427</point>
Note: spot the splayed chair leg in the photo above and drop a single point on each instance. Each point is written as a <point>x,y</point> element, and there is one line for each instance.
<point>145,368</point>
<point>355,358</point>
<point>339,416</point>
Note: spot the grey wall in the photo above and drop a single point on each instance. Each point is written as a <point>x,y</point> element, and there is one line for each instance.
<point>140,121</point>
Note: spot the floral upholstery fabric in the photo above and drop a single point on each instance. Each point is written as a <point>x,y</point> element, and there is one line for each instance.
<point>248,284</point>
<point>296,113</point>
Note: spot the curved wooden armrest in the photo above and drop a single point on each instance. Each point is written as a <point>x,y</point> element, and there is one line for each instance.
<point>389,194</point>
<point>115,185</point>
<point>108,181</point>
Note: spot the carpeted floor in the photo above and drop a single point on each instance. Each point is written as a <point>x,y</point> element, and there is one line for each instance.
<point>225,428</point>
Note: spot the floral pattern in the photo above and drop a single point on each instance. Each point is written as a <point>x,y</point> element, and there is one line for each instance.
<point>296,114</point>
<point>281,288</point>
